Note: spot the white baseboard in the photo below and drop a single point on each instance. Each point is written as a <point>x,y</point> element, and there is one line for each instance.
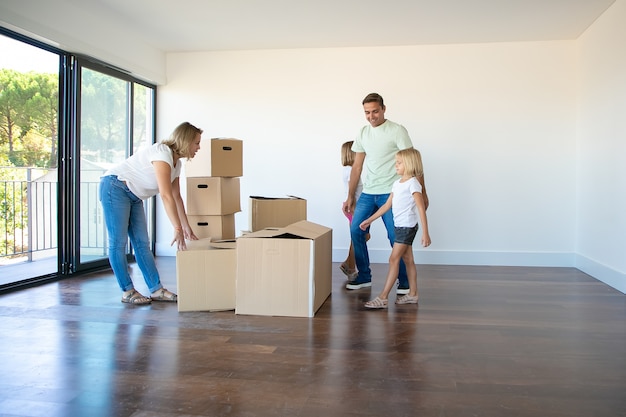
<point>554,259</point>
<point>598,271</point>
<point>601,272</point>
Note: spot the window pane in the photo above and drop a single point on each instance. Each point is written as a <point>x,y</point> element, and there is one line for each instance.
<point>142,112</point>
<point>104,141</point>
<point>29,104</point>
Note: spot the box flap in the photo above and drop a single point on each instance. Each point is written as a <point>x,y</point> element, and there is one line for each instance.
<point>199,244</point>
<point>224,243</point>
<point>306,229</point>
<point>303,229</point>
<point>288,197</point>
<point>210,243</point>
<point>267,232</point>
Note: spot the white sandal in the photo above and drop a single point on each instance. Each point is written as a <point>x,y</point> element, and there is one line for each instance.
<point>407,299</point>
<point>376,303</point>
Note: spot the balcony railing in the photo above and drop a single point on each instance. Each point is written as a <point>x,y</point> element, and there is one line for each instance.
<point>28,213</point>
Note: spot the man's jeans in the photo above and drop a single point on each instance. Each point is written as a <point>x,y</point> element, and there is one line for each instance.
<point>366,205</point>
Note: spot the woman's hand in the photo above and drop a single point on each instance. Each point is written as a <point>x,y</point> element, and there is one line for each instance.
<point>188,233</point>
<point>179,239</point>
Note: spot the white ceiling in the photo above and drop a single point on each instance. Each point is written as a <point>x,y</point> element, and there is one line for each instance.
<point>200,25</point>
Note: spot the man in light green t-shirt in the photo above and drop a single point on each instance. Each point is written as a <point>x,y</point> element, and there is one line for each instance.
<point>375,146</point>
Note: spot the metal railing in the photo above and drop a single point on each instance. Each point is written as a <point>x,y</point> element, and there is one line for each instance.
<point>28,212</point>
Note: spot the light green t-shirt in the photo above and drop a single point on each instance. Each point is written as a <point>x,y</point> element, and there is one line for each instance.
<point>380,145</point>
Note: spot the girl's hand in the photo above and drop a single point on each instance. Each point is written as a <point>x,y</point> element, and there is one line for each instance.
<point>425,240</point>
<point>364,225</point>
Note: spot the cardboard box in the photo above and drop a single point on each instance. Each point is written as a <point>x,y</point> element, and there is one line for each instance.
<point>205,276</point>
<point>217,158</point>
<point>284,271</point>
<point>216,227</point>
<point>275,212</point>
<point>212,196</point>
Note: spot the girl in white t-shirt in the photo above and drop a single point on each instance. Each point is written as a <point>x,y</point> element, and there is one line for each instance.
<point>408,205</point>
<point>151,170</point>
<point>348,266</point>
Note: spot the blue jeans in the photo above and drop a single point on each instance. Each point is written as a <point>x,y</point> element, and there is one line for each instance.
<point>125,218</point>
<point>366,205</point>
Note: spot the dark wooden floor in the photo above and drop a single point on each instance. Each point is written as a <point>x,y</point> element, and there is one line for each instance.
<point>484,341</point>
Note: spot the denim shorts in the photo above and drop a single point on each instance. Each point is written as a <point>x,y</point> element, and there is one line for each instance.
<point>405,235</point>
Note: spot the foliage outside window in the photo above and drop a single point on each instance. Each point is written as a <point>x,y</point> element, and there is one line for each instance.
<point>28,141</point>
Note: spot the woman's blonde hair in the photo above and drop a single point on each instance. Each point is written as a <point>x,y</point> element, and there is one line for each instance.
<point>412,160</point>
<point>347,155</point>
<point>181,139</point>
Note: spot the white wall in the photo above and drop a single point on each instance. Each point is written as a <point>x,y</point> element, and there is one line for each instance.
<point>601,149</point>
<point>523,142</point>
<point>101,36</point>
<point>495,124</point>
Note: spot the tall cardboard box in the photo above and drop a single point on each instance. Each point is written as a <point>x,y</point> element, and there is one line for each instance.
<point>275,212</point>
<point>284,271</point>
<point>213,196</point>
<point>216,227</point>
<point>217,158</point>
<point>205,276</point>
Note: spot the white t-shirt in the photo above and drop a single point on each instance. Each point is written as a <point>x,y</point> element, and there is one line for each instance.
<point>138,171</point>
<point>403,205</point>
<point>346,182</point>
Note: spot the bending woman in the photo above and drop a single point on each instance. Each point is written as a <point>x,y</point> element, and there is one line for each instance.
<point>151,170</point>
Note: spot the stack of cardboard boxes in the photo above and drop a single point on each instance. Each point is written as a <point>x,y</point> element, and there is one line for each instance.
<point>205,272</point>
<point>280,267</point>
<point>213,189</point>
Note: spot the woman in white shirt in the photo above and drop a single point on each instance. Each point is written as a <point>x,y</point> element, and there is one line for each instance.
<point>151,170</point>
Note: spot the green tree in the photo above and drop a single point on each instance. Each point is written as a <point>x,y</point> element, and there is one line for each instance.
<point>11,206</point>
<point>28,138</point>
<point>14,91</point>
<point>42,108</point>
<point>29,109</point>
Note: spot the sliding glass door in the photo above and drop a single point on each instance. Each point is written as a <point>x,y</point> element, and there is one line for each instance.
<point>115,117</point>
<point>64,120</point>
<point>29,107</point>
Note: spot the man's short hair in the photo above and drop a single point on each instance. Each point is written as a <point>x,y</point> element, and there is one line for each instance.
<point>374,98</point>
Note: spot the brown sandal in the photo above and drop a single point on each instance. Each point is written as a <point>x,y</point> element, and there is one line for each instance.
<point>135,297</point>
<point>164,295</point>
<point>350,273</point>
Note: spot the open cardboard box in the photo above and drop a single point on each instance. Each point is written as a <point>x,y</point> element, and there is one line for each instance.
<point>284,271</point>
